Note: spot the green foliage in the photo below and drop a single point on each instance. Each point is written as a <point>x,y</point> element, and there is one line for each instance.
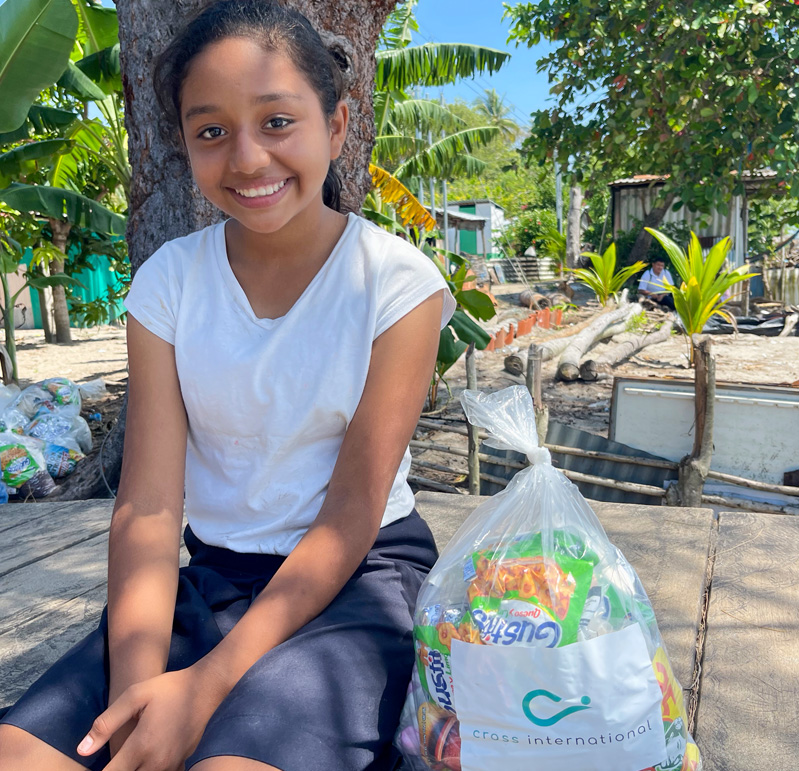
<point>603,279</point>
<point>704,280</point>
<point>626,238</point>
<point>530,229</point>
<point>492,108</point>
<point>36,37</point>
<point>699,91</point>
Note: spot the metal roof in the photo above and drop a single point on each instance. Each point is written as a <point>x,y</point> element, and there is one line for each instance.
<point>647,179</point>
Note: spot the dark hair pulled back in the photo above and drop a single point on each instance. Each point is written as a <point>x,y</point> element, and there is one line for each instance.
<point>275,28</point>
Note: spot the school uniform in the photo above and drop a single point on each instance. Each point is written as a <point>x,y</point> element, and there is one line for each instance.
<point>267,415</point>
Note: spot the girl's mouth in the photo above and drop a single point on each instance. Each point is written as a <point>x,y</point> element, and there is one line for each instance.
<point>261,195</point>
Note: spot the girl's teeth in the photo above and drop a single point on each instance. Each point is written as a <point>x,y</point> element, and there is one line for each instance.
<point>256,192</point>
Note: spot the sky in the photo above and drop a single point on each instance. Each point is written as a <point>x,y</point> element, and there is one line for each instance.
<point>480,22</point>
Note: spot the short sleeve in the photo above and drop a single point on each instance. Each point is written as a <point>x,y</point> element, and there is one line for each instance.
<point>406,279</point>
<point>644,280</point>
<point>154,294</point>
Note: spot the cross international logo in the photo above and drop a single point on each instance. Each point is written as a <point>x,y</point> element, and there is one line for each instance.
<point>539,696</point>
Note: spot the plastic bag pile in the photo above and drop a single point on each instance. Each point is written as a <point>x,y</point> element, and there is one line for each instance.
<point>42,435</point>
<point>536,645</point>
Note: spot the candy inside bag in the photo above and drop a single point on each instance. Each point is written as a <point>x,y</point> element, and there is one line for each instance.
<point>535,640</point>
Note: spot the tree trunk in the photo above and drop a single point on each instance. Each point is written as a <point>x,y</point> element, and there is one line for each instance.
<point>592,369</point>
<point>569,364</point>
<point>651,220</point>
<point>60,309</point>
<point>164,202</point>
<point>573,233</point>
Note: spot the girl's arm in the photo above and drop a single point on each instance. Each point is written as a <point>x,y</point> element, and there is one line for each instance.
<point>173,709</point>
<point>144,543</point>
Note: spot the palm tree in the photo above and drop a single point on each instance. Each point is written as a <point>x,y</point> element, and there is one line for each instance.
<point>406,125</point>
<point>492,107</point>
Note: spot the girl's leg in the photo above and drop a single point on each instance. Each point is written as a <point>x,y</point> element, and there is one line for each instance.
<point>20,750</point>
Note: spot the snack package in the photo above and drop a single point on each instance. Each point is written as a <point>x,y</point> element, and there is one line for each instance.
<point>32,401</point>
<point>22,465</point>
<point>536,645</point>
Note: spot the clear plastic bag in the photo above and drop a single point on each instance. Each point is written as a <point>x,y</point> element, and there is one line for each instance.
<point>64,394</point>
<point>62,456</point>
<point>22,465</point>
<point>536,645</point>
<point>60,425</point>
<point>92,390</point>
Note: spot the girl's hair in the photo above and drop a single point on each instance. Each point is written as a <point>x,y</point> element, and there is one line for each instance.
<point>276,29</point>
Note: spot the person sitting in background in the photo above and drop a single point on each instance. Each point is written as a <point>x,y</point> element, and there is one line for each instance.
<point>652,285</point>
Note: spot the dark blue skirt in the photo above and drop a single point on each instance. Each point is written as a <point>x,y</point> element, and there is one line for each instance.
<point>327,699</point>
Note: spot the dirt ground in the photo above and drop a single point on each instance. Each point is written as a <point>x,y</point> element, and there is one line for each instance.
<point>100,352</point>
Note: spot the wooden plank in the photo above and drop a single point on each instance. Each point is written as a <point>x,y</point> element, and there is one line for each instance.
<point>26,651</point>
<point>57,529</point>
<point>748,717</point>
<point>667,546</point>
<point>13,515</point>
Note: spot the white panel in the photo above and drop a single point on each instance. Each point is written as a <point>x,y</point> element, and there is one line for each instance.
<point>756,432</point>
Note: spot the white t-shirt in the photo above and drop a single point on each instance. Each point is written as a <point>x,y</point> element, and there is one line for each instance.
<point>653,283</point>
<point>269,400</point>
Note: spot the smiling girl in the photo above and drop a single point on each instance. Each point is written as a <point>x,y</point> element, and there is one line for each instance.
<point>278,364</point>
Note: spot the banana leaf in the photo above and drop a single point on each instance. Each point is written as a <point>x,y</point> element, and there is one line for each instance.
<point>36,37</point>
<point>40,120</point>
<point>55,202</point>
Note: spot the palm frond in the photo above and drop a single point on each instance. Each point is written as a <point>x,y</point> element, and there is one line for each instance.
<point>434,64</point>
<point>424,115</point>
<point>442,157</point>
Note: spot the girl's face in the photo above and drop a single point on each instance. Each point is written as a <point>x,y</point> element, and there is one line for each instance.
<point>258,141</point>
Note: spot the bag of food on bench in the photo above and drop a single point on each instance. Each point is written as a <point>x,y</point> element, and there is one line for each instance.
<point>536,645</point>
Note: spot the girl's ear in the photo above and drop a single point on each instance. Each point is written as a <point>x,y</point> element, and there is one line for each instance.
<point>338,123</point>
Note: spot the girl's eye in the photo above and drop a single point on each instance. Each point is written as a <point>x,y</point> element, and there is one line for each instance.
<point>214,132</point>
<point>278,123</point>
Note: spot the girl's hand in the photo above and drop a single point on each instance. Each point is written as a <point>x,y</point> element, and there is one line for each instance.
<point>170,713</point>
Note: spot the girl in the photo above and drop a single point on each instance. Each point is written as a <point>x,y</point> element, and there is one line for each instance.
<point>278,364</point>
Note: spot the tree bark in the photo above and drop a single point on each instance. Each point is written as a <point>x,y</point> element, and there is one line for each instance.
<point>652,220</point>
<point>164,202</point>
<point>573,233</point>
<point>60,309</point>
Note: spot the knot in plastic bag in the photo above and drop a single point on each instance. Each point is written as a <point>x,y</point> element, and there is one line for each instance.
<point>538,456</point>
<point>509,418</point>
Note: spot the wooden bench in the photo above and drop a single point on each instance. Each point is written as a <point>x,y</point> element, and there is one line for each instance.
<point>737,656</point>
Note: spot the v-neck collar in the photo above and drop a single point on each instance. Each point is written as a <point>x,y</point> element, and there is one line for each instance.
<point>238,293</point>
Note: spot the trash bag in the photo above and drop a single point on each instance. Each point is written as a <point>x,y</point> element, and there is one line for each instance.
<point>33,400</point>
<point>62,456</point>
<point>7,395</point>
<point>92,389</point>
<point>22,465</point>
<point>64,394</point>
<point>55,426</point>
<point>536,645</point>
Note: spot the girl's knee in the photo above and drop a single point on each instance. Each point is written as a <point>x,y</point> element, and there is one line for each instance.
<point>231,763</point>
<point>20,751</point>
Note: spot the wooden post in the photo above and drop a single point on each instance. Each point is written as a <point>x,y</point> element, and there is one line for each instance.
<point>474,461</point>
<point>694,468</point>
<point>535,387</point>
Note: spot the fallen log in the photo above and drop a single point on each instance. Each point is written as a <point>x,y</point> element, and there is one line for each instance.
<point>514,364</point>
<point>790,323</point>
<point>569,364</point>
<point>593,369</point>
<point>533,300</point>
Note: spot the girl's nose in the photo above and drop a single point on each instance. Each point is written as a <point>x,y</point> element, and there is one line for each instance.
<point>248,154</point>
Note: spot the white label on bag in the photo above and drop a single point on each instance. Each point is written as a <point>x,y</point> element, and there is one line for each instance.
<point>593,705</point>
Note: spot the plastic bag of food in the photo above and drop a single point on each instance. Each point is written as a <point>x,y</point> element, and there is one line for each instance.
<point>536,645</point>
<point>33,400</point>
<point>14,421</point>
<point>56,426</point>
<point>64,394</point>
<point>62,456</point>
<point>22,465</point>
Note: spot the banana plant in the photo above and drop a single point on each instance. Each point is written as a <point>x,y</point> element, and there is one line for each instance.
<point>604,280</point>
<point>11,255</point>
<point>462,329</point>
<point>705,281</point>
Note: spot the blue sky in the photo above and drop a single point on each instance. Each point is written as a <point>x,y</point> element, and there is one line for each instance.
<point>480,22</point>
